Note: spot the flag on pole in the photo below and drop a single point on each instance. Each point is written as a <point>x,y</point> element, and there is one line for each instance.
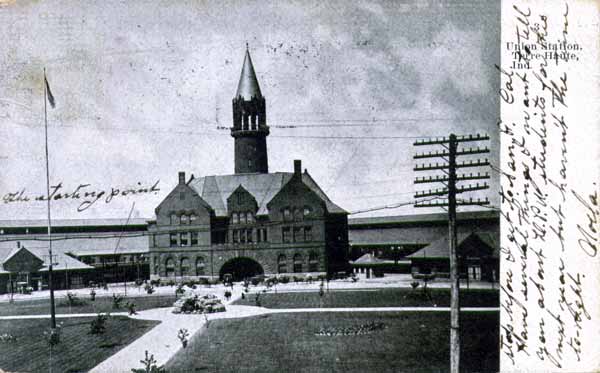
<point>49,93</point>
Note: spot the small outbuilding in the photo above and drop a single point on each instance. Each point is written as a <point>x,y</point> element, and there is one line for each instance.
<point>478,254</point>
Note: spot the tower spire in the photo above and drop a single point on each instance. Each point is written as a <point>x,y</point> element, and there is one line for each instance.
<point>250,128</point>
<point>248,86</point>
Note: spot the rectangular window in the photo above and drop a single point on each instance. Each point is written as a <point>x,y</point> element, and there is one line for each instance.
<point>285,233</point>
<point>173,239</point>
<point>242,236</point>
<point>265,238</point>
<point>235,236</point>
<point>194,238</point>
<point>249,235</point>
<point>174,219</point>
<point>298,234</point>
<point>183,239</point>
<point>193,219</point>
<point>185,219</point>
<point>308,234</point>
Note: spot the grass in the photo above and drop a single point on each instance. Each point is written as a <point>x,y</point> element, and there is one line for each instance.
<point>103,304</point>
<point>78,350</point>
<point>375,298</point>
<point>410,342</point>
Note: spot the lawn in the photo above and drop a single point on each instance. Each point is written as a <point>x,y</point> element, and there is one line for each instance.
<point>375,298</point>
<point>78,350</point>
<point>410,342</point>
<point>104,304</point>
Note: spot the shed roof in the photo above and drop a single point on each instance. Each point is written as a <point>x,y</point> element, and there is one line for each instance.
<point>439,247</point>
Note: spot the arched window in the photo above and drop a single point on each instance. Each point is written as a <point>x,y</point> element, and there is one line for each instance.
<point>287,214</point>
<point>199,266</point>
<point>156,268</point>
<point>235,219</point>
<point>307,210</point>
<point>281,264</point>
<point>185,267</point>
<point>170,267</point>
<point>297,263</point>
<point>313,262</point>
<point>297,214</point>
<point>185,219</point>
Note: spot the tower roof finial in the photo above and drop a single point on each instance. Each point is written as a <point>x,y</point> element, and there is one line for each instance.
<point>248,86</point>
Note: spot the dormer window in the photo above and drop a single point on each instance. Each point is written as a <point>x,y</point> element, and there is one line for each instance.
<point>193,218</point>
<point>287,214</point>
<point>249,218</point>
<point>185,219</point>
<point>307,210</point>
<point>235,219</point>
<point>174,219</point>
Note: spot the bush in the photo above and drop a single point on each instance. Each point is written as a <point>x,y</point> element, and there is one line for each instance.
<point>98,325</point>
<point>202,281</point>
<point>93,295</point>
<point>117,301</point>
<point>149,288</point>
<point>155,282</point>
<point>183,335</point>
<point>227,294</point>
<point>73,300</point>
<point>180,290</point>
<point>150,366</point>
<point>415,284</point>
<point>255,281</point>
<point>284,279</point>
<point>7,338</point>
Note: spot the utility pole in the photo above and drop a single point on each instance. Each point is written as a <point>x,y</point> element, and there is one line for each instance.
<point>449,180</point>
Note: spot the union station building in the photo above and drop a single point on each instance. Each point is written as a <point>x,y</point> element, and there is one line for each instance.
<point>252,222</point>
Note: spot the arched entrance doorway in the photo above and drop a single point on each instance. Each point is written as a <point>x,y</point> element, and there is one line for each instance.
<point>241,268</point>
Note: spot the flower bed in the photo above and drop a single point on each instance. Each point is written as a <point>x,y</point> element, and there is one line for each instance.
<point>361,329</point>
<point>192,303</point>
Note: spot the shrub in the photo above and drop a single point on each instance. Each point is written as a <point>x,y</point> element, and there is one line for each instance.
<point>138,282</point>
<point>74,301</point>
<point>180,290</point>
<point>155,282</point>
<point>149,288</point>
<point>117,301</point>
<point>183,335</point>
<point>255,281</point>
<point>7,338</point>
<point>284,279</point>
<point>309,279</point>
<point>53,335</point>
<point>150,366</point>
<point>98,325</point>
<point>203,281</point>
<point>93,295</point>
<point>131,308</point>
<point>414,284</point>
<point>227,294</point>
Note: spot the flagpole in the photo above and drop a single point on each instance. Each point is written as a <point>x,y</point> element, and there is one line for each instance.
<point>52,309</point>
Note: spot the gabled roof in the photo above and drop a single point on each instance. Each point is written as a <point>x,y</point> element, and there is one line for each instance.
<point>248,85</point>
<point>41,252</point>
<point>368,259</point>
<point>439,247</point>
<point>263,187</point>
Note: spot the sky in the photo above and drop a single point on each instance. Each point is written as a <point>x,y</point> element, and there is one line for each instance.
<point>143,90</point>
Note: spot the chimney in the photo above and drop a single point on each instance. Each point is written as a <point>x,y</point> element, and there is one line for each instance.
<point>181,177</point>
<point>297,167</point>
